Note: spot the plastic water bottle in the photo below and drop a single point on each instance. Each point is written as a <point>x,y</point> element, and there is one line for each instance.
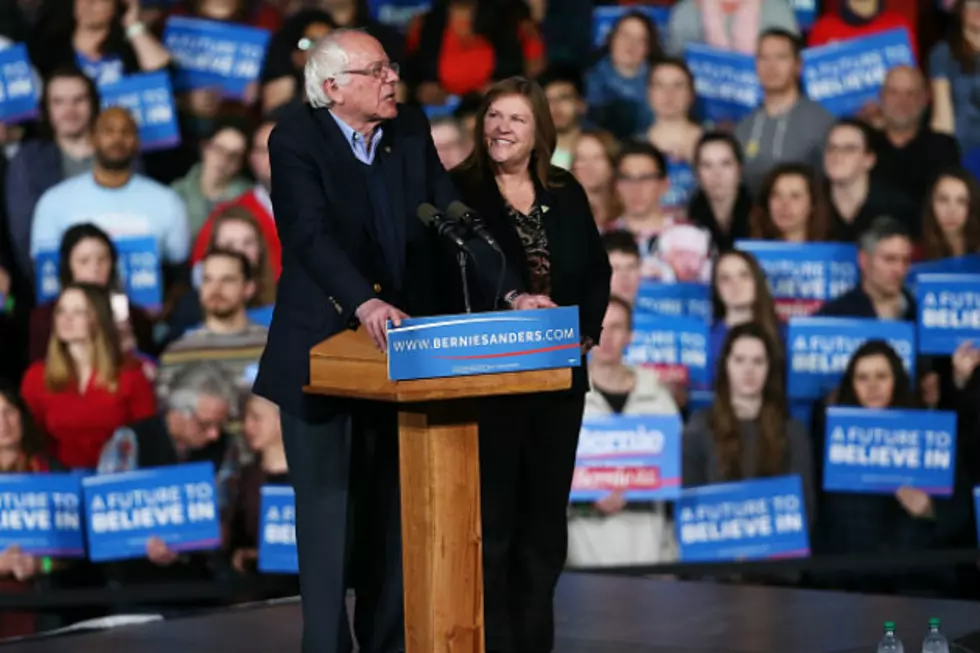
<point>935,641</point>
<point>890,643</point>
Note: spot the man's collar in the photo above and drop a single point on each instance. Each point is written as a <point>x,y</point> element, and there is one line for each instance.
<point>352,136</point>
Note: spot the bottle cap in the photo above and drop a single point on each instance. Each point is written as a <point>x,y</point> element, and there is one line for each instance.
<point>889,626</point>
<point>935,621</point>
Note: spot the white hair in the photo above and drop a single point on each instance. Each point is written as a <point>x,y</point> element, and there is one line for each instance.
<point>201,378</point>
<point>328,60</point>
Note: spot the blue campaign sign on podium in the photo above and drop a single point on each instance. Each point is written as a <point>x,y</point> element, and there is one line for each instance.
<point>177,504</point>
<point>484,343</point>
<point>748,520</point>
<point>277,530</point>
<point>42,514</point>
<point>637,454</point>
<point>878,451</point>
<point>948,311</point>
<point>819,349</point>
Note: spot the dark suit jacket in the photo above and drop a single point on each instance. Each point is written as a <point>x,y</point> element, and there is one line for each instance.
<point>332,261</point>
<point>579,264</point>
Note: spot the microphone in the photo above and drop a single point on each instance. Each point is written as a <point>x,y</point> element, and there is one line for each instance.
<point>444,226</point>
<point>459,212</point>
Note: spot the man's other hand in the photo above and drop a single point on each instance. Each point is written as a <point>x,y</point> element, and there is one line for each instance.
<point>374,315</point>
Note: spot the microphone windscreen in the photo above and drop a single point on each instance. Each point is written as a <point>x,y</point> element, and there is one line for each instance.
<point>457,210</point>
<point>427,213</point>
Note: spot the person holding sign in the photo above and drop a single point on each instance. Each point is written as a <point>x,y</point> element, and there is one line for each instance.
<point>910,521</point>
<point>86,387</point>
<point>721,202</point>
<point>747,433</point>
<point>540,216</point>
<point>21,452</point>
<point>613,531</point>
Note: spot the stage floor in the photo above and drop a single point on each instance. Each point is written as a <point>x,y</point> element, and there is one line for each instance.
<point>597,614</point>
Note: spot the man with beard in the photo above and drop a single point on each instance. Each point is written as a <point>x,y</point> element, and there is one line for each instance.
<point>113,197</point>
<point>227,336</point>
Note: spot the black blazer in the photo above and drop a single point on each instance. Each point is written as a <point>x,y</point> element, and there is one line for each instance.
<point>579,264</point>
<point>332,261</point>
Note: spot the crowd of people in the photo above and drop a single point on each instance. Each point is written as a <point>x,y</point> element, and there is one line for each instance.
<point>97,379</point>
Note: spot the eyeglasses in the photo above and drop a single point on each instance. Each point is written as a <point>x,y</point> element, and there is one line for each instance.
<point>378,70</point>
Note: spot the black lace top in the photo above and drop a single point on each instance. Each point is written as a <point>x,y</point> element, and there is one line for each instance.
<point>530,229</point>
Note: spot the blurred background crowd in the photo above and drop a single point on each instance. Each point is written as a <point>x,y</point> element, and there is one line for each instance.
<point>94,380</point>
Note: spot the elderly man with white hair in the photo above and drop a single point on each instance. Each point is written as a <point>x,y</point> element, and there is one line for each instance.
<point>349,170</point>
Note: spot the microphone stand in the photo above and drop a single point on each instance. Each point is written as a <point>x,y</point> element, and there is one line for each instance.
<point>461,259</point>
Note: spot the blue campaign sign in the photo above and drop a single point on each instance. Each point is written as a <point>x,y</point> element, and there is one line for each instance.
<point>725,82</point>
<point>484,343</point>
<point>948,311</point>
<point>682,184</point>
<point>46,273</point>
<point>806,12</point>
<point>879,451</point>
<point>150,100</point>
<point>141,271</point>
<point>969,264</point>
<point>18,94</point>
<point>749,520</point>
<point>845,75</point>
<point>211,54</point>
<point>42,514</point>
<point>397,13</point>
<point>277,530</point>
<point>603,18</point>
<point>261,315</point>
<point>176,504</point>
<point>802,277</point>
<point>637,454</point>
<point>976,509</point>
<point>820,348</point>
<point>663,341</point>
<point>680,299</point>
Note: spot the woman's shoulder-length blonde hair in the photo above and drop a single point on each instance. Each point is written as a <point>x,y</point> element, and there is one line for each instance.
<point>106,356</point>
<point>545,134</point>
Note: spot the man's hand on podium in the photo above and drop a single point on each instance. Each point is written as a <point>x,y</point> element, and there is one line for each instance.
<point>374,315</point>
<point>525,302</point>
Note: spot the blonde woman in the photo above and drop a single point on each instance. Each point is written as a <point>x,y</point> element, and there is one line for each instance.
<point>85,388</point>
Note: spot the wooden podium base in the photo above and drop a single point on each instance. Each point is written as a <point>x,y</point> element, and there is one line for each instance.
<point>441,529</point>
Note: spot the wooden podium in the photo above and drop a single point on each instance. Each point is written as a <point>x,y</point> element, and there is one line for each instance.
<point>440,483</point>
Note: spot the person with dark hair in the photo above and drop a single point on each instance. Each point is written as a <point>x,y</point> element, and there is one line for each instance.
<point>243,12</point>
<point>670,92</point>
<point>747,432</point>
<point>282,70</point>
<point>85,387</point>
<point>951,219</point>
<point>104,38</point>
<point>566,99</point>
<point>856,18</point>
<point>721,203</point>
<point>540,216</point>
<point>616,86</point>
<point>910,521</point>
<point>613,531</point>
<point>624,261</point>
<point>884,259</point>
<point>69,104</point>
<point>955,79</point>
<point>216,179</point>
<point>452,142</point>
<point>726,25</point>
<point>87,255</point>
<point>21,452</point>
<point>790,207</point>
<point>460,46</point>
<point>856,197</point>
<point>788,126</point>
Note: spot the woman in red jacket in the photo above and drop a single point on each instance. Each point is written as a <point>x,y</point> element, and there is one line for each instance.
<point>85,388</point>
